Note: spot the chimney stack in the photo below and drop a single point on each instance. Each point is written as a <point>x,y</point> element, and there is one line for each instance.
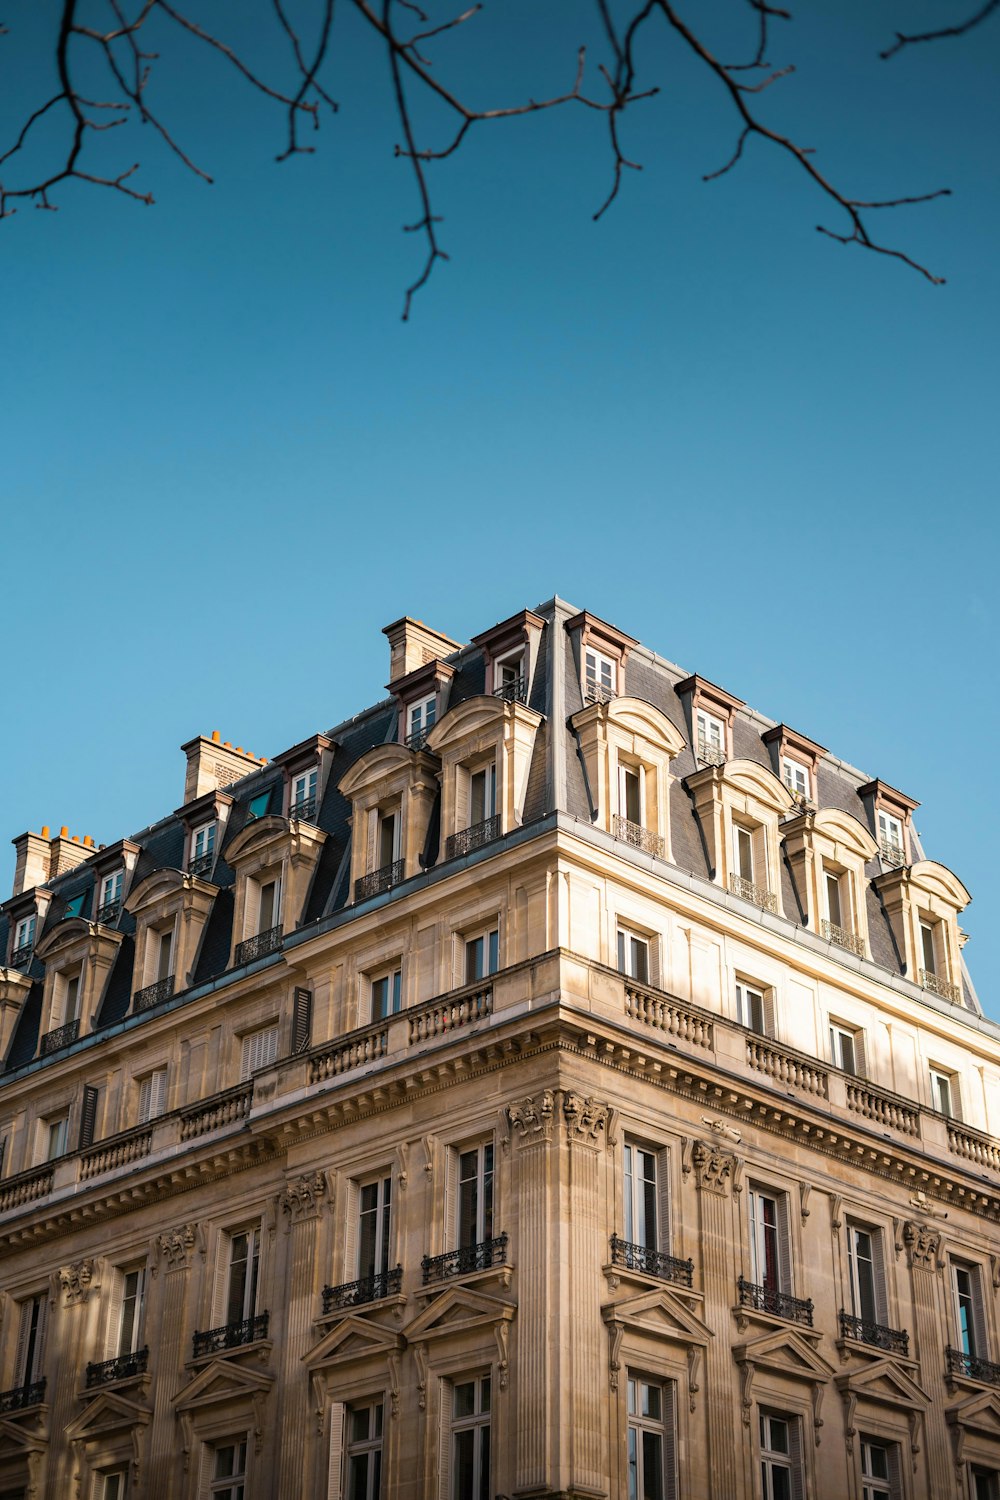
<point>413,644</point>
<point>213,764</point>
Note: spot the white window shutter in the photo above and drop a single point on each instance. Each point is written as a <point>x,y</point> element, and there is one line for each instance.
<point>21,1372</point>
<point>860,1061</point>
<point>350,1270</point>
<point>444,1441</point>
<point>895,1474</point>
<point>663,1238</point>
<point>670,1440</point>
<point>145,1099</point>
<point>770,1028</point>
<point>796,1455</point>
<point>113,1330</point>
<point>784,1243</point>
<point>338,1421</point>
<point>878,1271</point>
<point>220,1283</point>
<point>978,1313</point>
<point>451,1207</point>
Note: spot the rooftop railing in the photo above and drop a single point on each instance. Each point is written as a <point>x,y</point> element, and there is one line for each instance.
<point>153,994</point>
<point>62,1036</point>
<point>475,837</point>
<point>200,864</point>
<point>750,891</point>
<point>109,911</point>
<point>378,881</point>
<point>304,808</point>
<point>595,692</point>
<point>938,986</point>
<point>891,852</point>
<point>515,691</point>
<point>258,946</point>
<point>640,838</point>
<point>417,738</point>
<point>710,754</point>
<point>21,957</point>
<point>842,936</point>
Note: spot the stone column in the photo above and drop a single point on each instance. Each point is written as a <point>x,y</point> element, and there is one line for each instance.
<point>717,1173</point>
<point>174,1253</point>
<point>585,1122</point>
<point>301,1204</point>
<point>64,1360</point>
<point>923,1252</point>
<point>535,1405</point>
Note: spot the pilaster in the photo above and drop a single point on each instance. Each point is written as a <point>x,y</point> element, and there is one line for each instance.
<point>717,1175</point>
<point>301,1204</point>
<point>923,1252</point>
<point>173,1256</point>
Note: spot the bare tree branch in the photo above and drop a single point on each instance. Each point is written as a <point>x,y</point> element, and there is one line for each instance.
<point>958,29</point>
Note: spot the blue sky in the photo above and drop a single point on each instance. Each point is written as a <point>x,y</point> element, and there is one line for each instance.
<point>228,463</point>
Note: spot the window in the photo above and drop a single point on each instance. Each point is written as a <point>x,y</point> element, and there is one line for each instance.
<point>770,1255</point>
<point>163,954</point>
<point>203,846</point>
<point>70,998</point>
<point>847,1048</point>
<point>259,1050</point>
<point>229,1470</point>
<point>56,1135</point>
<point>111,893</point>
<point>928,948</point>
<point>633,955</point>
<point>743,851</point>
<point>470,1427</point>
<point>302,798</point>
<point>482,955</point>
<point>835,894</point>
<point>711,738</point>
<point>866,1266</point>
<point>111,1485</point>
<point>74,906</point>
<point>388,838</point>
<point>890,837</point>
<point>651,1473</point>
<point>30,1340</point>
<point>482,794</point>
<point>259,805</point>
<point>420,719</point>
<point>374,1227</point>
<point>646,1210</point>
<point>795,776</point>
<point>755,1008</point>
<point>985,1484</point>
<point>780,1457</point>
<point>386,992</point>
<point>970,1316</point>
<point>364,1452</point>
<point>598,676</point>
<point>244,1264</point>
<point>152,1095</point>
<point>475,1195</point>
<point>508,674</point>
<point>24,934</point>
<point>944,1093</point>
<point>879,1470</point>
<point>269,904</point>
<point>630,793</point>
<point>129,1330</point>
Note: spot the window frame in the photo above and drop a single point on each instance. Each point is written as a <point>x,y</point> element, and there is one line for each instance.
<point>972,1334</point>
<point>112,886</point>
<point>29,1353</point>
<point>391,976</point>
<point>771,1270</point>
<point>230,1486</point>
<point>308,781</point>
<point>484,1178</point>
<point>487,939</point>
<point>207,848</point>
<point>355,1448</point>
<point>790,767</point>
<point>944,1076</point>
<point>662,1428</point>
<point>636,1203</point>
<point>250,1297</point>
<point>840,1032</point>
<point>24,932</point>
<point>879,1486</point>
<point>875,1261</point>
<point>628,940</point>
<point>771,1459</point>
<point>384,1217</point>
<point>600,673</point>
<point>122,1339</point>
<point>751,996</point>
<point>479,1422</point>
<point>271,1028</point>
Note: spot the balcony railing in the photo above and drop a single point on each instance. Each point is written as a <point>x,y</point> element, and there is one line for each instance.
<point>200,864</point>
<point>109,911</point>
<point>123,1367</point>
<point>153,994</point>
<point>515,691</point>
<point>15,1192</point>
<point>365,1289</point>
<point>378,881</point>
<point>461,1262</point>
<point>23,1396</point>
<point>417,738</point>
<point>891,852</point>
<point>258,946</point>
<point>475,837</point>
<point>594,692</point>
<point>21,957</point>
<point>960,1363</point>
<point>639,837</point>
<point>892,1340</point>
<point>305,809</point>
<point>758,894</point>
<point>937,986</point>
<point>230,1336</point>
<point>779,1304</point>
<point>671,1016</point>
<point>62,1036</point>
<point>709,754</point>
<point>651,1262</point>
<point>228,1108</point>
<point>843,937</point>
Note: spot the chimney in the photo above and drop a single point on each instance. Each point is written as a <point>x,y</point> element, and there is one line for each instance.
<point>32,865</point>
<point>214,763</point>
<point>66,853</point>
<point>413,644</point>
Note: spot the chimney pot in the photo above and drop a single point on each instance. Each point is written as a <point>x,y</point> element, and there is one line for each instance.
<point>64,832</point>
<point>45,830</point>
<point>215,736</point>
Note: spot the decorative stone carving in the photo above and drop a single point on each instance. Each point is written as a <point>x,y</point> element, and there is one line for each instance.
<point>715,1170</point>
<point>584,1115</point>
<point>501,1331</point>
<point>303,1197</point>
<point>533,1116</point>
<point>923,1245</point>
<point>75,1281</point>
<point>176,1247</point>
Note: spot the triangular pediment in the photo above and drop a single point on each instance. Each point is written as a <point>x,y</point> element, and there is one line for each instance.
<point>108,1412</point>
<point>979,1414</point>
<point>16,1441</point>
<point>222,1380</point>
<point>786,1352</point>
<point>455,1310</point>
<point>884,1381</point>
<point>660,1313</point>
<point>353,1338</point>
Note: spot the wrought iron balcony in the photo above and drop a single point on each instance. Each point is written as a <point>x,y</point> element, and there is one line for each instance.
<point>154,994</point>
<point>892,1340</point>
<point>62,1036</point>
<point>417,738</point>
<point>200,864</point>
<point>843,937</point>
<point>461,1262</point>
<point>258,946</point>
<point>305,809</point>
<point>710,754</point>
<point>109,911</point>
<point>123,1367</point>
<point>778,1304</point>
<point>639,837</point>
<point>22,1396</point>
<point>378,881</point>
<point>892,853</point>
<point>515,691</point>
<point>651,1262</point>
<point>960,1363</point>
<point>21,957</point>
<point>365,1289</point>
<point>230,1336</point>
<point>937,986</point>
<point>475,837</point>
<point>758,894</point>
<point>593,692</point>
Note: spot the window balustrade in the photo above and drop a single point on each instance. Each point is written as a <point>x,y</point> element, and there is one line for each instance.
<point>258,946</point>
<point>122,1367</point>
<point>465,1260</point>
<point>365,1289</point>
<point>230,1336</point>
<point>651,1262</point>
<point>468,839</point>
<point>864,1331</point>
<point>779,1304</point>
<point>378,881</point>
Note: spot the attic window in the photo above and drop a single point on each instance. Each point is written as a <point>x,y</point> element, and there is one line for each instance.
<point>302,800</point>
<point>259,805</point>
<point>599,677</point>
<point>73,906</point>
<point>795,776</point>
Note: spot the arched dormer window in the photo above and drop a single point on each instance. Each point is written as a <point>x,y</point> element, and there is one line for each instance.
<point>485,746</point>
<point>78,956</point>
<point>627,746</point>
<point>275,861</point>
<point>391,790</point>
<point>738,805</point>
<point>923,902</point>
<point>828,851</point>
<point>171,910</point>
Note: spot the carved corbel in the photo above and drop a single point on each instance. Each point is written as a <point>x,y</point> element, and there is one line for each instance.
<point>427,1141</point>
<point>303,1197</point>
<point>502,1334</point>
<point>897,1236</point>
<point>716,1171</point>
<point>393,1362</point>
<point>259,1397</point>
<point>75,1281</point>
<point>994,1275</point>
<point>747,1372</point>
<point>585,1116</point>
<point>187,1438</point>
<point>805,1189</point>
<point>532,1117</point>
<point>614,1116</point>
<point>503,1128</point>
<point>850,1406</point>
<point>687,1145</point>
<point>818,1393</point>
<point>175,1248</point>
<point>915,1419</point>
<point>923,1246</point>
<point>616,1332</point>
<point>420,1355</point>
<point>694,1372</point>
<point>319,1400</point>
<point>836,1212</point>
<point>402,1161</point>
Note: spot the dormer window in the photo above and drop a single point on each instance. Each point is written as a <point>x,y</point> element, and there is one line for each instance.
<point>795,776</point>
<point>482,794</point>
<point>24,941</point>
<point>749,877</point>
<point>302,795</point>
<point>65,1013</point>
<point>840,923</point>
<point>269,905</point>
<point>631,802</point>
<point>420,719</point>
<point>711,739</point>
<point>510,680</point>
<point>74,906</point>
<point>259,805</point>
<point>110,903</point>
<point>202,849</point>
<point>389,831</point>
<point>890,838</point>
<point>600,678</point>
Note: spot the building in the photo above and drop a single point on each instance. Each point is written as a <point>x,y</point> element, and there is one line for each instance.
<point>556,1080</point>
